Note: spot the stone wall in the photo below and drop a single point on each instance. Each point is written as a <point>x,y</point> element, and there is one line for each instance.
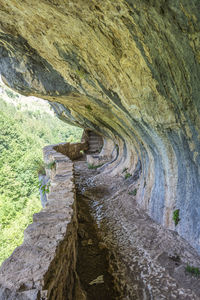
<point>72,150</point>
<point>43,267</point>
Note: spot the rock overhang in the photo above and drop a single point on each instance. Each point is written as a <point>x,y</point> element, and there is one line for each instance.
<point>128,70</point>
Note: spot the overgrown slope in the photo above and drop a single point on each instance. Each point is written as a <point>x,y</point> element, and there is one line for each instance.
<point>23,134</point>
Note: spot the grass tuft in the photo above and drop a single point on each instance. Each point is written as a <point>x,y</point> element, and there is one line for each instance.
<point>94,167</point>
<point>134,192</point>
<point>193,270</point>
<point>127,175</point>
<point>176,216</point>
<point>88,107</point>
<point>51,165</point>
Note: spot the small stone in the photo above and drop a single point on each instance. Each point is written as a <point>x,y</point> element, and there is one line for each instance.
<point>102,245</point>
<point>98,280</point>
<point>90,242</point>
<point>84,243</point>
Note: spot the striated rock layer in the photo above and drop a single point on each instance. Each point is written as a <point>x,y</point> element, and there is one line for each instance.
<point>128,70</point>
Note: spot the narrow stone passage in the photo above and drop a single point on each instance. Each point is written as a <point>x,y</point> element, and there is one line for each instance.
<point>122,253</point>
<point>92,262</point>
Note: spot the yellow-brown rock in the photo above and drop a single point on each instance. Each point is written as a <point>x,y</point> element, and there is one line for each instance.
<point>128,70</point>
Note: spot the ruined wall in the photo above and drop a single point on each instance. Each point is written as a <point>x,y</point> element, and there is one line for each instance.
<point>72,150</point>
<point>127,69</point>
<point>44,266</point>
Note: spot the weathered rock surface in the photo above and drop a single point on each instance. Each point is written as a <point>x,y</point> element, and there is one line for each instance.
<point>146,261</point>
<point>44,266</point>
<point>124,255</point>
<point>128,70</point>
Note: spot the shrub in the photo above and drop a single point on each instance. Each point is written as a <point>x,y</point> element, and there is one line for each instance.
<point>94,167</point>
<point>11,94</point>
<point>176,216</point>
<point>192,270</point>
<point>40,167</point>
<point>127,175</point>
<point>44,187</point>
<point>51,165</point>
<point>88,107</point>
<point>23,134</point>
<point>134,192</point>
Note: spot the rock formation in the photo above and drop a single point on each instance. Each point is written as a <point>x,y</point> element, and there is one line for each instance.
<point>92,241</point>
<point>128,70</point>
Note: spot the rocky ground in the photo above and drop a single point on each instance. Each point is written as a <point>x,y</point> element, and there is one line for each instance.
<point>123,254</point>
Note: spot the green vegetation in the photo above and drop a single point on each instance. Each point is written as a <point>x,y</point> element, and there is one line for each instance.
<point>44,187</point>
<point>94,167</point>
<point>193,270</point>
<point>176,216</point>
<point>88,107</point>
<point>40,167</point>
<point>24,132</point>
<point>11,94</point>
<point>51,165</point>
<point>80,72</point>
<point>134,192</point>
<point>127,175</point>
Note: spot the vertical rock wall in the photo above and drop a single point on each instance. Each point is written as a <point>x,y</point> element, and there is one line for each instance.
<point>128,70</point>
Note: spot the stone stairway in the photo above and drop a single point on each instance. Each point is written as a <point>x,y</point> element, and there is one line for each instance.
<point>95,142</point>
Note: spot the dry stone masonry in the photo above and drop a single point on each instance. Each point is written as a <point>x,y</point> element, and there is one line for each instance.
<point>73,151</point>
<point>44,266</point>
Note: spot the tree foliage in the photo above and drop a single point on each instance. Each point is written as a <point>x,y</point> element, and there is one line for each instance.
<point>23,134</point>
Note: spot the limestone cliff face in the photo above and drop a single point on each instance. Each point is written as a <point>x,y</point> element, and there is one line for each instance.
<point>128,70</point>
